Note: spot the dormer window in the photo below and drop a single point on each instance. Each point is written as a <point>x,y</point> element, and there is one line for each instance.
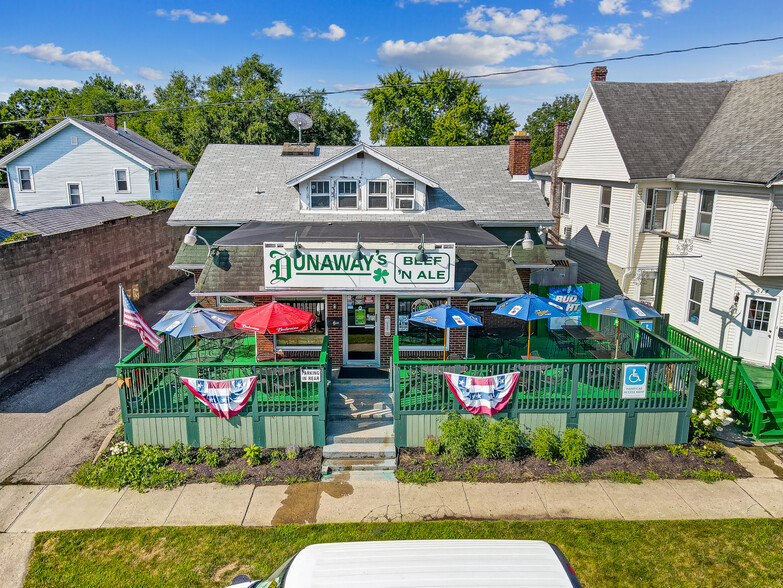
<point>378,194</point>
<point>347,194</point>
<point>319,195</point>
<point>404,192</point>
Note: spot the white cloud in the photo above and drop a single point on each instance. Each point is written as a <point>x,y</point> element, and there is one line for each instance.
<point>528,21</point>
<point>50,53</point>
<point>457,50</point>
<point>353,102</point>
<point>204,17</point>
<point>308,33</point>
<point>560,3</point>
<point>4,96</point>
<point>348,86</point>
<point>335,33</point>
<point>401,3</point>
<point>672,6</point>
<point>278,29</point>
<point>617,40</point>
<point>768,66</point>
<point>543,49</point>
<point>362,39</point>
<point>527,78</point>
<point>38,83</point>
<point>646,13</point>
<point>613,7</point>
<point>149,73</point>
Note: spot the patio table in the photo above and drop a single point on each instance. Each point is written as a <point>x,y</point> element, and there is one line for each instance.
<point>609,354</point>
<point>584,333</point>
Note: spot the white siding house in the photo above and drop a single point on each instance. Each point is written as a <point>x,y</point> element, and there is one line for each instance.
<point>78,162</point>
<point>711,151</point>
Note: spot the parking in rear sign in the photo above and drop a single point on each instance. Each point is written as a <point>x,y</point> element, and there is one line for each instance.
<point>635,381</point>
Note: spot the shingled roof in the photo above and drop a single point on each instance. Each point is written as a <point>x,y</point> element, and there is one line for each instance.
<point>239,183</point>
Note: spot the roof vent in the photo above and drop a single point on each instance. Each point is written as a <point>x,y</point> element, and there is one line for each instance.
<point>304,149</point>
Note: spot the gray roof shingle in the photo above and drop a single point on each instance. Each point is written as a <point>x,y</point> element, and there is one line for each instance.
<point>657,125</point>
<point>545,169</point>
<point>47,221</point>
<point>474,185</point>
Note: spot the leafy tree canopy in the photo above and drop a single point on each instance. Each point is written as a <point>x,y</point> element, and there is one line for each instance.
<point>451,111</point>
<point>540,125</point>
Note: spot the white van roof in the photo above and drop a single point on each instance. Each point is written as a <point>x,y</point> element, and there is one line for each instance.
<point>429,563</point>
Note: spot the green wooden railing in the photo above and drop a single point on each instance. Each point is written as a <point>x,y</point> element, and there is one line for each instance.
<point>154,389</point>
<point>777,377</point>
<point>746,402</point>
<point>712,362</point>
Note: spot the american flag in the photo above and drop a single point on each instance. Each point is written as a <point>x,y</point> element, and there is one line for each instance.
<point>131,318</point>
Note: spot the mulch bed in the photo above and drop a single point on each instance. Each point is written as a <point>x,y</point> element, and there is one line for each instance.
<point>644,462</point>
<point>305,468</point>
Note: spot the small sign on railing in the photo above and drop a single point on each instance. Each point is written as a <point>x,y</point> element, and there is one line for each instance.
<point>635,381</point>
<point>311,375</point>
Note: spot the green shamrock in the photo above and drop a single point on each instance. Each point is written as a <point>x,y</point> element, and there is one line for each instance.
<point>380,274</point>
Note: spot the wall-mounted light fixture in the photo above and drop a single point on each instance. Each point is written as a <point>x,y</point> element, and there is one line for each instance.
<point>527,244</point>
<point>422,254</point>
<point>387,306</point>
<point>295,252</point>
<point>357,254</point>
<point>190,240</point>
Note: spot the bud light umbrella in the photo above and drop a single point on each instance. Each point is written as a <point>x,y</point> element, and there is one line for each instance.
<point>275,317</point>
<point>445,316</point>
<point>620,307</point>
<point>530,307</point>
<point>193,321</point>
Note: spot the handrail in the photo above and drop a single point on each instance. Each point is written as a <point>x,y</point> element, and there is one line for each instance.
<point>713,362</point>
<point>745,404</point>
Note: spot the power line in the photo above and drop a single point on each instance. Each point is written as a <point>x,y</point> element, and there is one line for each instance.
<point>531,69</point>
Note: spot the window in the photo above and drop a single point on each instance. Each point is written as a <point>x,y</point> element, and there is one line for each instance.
<point>314,336</point>
<point>319,195</point>
<point>565,200</point>
<point>176,175</point>
<point>404,192</point>
<point>694,300</point>
<point>121,180</point>
<point>704,218</point>
<point>228,301</point>
<point>25,179</point>
<point>74,140</point>
<point>377,194</point>
<point>606,202</point>
<point>647,284</point>
<point>74,192</point>
<point>156,180</point>
<point>416,334</point>
<point>655,210</point>
<point>758,315</point>
<point>347,194</point>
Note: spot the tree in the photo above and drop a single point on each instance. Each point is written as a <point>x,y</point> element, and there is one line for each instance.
<point>450,111</point>
<point>540,125</point>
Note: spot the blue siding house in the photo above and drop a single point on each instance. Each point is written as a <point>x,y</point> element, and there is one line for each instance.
<point>80,162</point>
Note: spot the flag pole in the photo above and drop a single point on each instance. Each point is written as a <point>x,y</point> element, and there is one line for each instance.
<point>120,312</point>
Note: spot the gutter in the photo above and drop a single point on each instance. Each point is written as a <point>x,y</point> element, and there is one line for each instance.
<point>629,268</point>
<point>502,223</point>
<point>702,181</point>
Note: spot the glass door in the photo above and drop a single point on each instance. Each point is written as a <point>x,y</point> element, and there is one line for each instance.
<point>360,332</point>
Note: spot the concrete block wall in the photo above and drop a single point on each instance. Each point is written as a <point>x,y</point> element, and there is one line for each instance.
<point>52,287</point>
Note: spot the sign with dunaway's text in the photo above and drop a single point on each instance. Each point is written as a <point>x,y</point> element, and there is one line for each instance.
<point>376,269</point>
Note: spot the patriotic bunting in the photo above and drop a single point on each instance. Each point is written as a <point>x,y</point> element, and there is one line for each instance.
<point>225,398</point>
<point>487,395</point>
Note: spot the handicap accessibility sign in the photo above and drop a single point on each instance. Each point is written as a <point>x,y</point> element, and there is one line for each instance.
<point>635,381</point>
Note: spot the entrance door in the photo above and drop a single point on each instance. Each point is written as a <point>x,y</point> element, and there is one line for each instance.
<point>757,327</point>
<point>360,332</point>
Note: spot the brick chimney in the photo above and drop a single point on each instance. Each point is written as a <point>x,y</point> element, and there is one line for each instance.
<point>519,154</point>
<point>110,120</point>
<point>599,74</point>
<point>556,190</point>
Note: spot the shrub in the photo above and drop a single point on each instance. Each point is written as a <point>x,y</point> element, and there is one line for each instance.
<point>224,448</point>
<point>139,467</point>
<point>292,451</point>
<point>230,477</point>
<point>275,457</point>
<point>212,459</point>
<point>460,436</point>
<point>573,447</point>
<point>181,453</point>
<point>154,205</point>
<point>544,443</point>
<point>500,439</point>
<point>17,237</point>
<point>651,475</point>
<point>708,413</point>
<point>676,450</point>
<point>432,445</point>
<point>254,454</point>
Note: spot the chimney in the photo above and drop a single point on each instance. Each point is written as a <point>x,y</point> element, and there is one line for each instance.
<point>556,190</point>
<point>519,154</point>
<point>110,120</point>
<point>599,74</point>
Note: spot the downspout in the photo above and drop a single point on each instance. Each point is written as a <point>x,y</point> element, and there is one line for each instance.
<point>629,268</point>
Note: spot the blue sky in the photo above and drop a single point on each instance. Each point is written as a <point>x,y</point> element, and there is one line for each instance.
<point>337,45</point>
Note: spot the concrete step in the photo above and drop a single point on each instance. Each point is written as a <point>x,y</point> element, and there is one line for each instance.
<point>359,402</point>
<point>385,475</point>
<point>358,392</point>
<point>359,465</point>
<point>368,431</point>
<point>359,451</point>
<point>346,414</point>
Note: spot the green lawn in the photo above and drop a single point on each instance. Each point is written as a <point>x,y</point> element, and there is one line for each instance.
<point>604,553</point>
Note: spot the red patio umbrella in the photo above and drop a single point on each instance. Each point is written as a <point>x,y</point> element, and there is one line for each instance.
<point>275,318</point>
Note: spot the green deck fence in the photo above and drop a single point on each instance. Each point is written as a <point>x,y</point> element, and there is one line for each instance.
<point>158,409</point>
<point>745,400</point>
<point>712,362</point>
<point>563,393</point>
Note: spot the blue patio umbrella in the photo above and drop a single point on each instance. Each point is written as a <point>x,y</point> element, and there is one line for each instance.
<point>620,307</point>
<point>445,316</point>
<point>193,321</point>
<point>530,307</point>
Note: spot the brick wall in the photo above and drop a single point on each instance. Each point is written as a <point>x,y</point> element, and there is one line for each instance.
<point>335,333</point>
<point>52,287</point>
<point>387,343</point>
<point>458,342</point>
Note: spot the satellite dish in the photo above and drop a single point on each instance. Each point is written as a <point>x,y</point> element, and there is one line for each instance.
<point>300,121</point>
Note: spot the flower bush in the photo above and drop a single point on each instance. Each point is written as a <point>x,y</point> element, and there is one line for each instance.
<point>708,413</point>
